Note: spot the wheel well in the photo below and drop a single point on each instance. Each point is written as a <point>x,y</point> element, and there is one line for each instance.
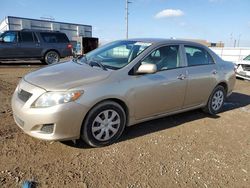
<point>122,104</point>
<point>118,101</point>
<point>223,84</point>
<point>50,51</point>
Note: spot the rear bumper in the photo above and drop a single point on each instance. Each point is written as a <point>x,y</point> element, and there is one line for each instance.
<point>65,53</point>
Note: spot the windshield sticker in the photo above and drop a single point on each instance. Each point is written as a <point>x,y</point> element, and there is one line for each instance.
<point>143,44</point>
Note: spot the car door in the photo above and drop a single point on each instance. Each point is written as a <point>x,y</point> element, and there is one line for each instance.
<point>164,91</point>
<point>9,45</point>
<point>202,76</point>
<point>28,45</point>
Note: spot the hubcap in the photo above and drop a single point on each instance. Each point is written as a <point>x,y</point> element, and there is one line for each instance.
<point>106,125</point>
<point>51,57</point>
<point>217,100</point>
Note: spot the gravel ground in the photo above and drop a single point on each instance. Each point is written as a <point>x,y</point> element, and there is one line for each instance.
<point>186,150</point>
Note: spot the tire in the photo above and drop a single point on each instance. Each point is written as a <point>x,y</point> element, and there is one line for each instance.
<point>104,124</point>
<point>51,57</point>
<point>216,101</point>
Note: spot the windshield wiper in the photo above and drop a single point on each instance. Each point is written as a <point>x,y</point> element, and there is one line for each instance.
<point>79,59</point>
<point>82,59</point>
<point>97,63</point>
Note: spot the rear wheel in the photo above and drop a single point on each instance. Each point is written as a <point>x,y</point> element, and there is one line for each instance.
<point>51,57</point>
<point>104,124</point>
<point>216,101</point>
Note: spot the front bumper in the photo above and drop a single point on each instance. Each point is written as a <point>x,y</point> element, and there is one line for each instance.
<point>242,73</point>
<point>245,76</point>
<point>66,119</point>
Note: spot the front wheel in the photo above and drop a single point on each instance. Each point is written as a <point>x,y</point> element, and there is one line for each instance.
<point>216,101</point>
<point>104,124</point>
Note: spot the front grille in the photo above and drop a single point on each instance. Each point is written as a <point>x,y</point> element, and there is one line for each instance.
<point>24,95</point>
<point>245,67</point>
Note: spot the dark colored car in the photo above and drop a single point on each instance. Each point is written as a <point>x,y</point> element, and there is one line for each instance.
<point>47,46</point>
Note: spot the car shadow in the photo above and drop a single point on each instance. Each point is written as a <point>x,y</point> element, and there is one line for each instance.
<point>236,100</point>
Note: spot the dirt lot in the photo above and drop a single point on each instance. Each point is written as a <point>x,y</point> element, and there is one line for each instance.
<point>186,150</point>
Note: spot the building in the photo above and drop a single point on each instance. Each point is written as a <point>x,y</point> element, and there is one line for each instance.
<point>72,30</point>
<point>209,44</point>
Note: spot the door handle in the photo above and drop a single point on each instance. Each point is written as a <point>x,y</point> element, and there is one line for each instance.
<point>181,77</point>
<point>214,72</point>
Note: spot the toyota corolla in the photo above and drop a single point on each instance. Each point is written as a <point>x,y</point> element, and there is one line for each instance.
<point>120,84</point>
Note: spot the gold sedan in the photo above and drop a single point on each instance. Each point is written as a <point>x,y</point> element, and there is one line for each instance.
<point>120,84</point>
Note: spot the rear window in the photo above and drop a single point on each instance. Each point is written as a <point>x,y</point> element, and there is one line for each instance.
<point>54,37</point>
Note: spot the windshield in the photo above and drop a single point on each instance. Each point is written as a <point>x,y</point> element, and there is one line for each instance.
<point>117,54</point>
<point>247,58</point>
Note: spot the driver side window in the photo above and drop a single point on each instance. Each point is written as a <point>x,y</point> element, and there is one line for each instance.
<point>10,37</point>
<point>166,57</point>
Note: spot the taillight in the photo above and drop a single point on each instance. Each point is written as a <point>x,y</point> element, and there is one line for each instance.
<point>69,46</point>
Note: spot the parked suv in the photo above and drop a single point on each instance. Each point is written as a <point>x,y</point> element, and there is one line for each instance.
<point>47,46</point>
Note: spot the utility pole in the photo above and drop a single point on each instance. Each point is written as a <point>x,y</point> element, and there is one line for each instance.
<point>231,39</point>
<point>234,43</point>
<point>239,40</point>
<point>126,16</point>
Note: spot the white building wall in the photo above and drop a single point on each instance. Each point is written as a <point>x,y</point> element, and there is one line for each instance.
<point>4,25</point>
<point>71,30</point>
<point>231,54</point>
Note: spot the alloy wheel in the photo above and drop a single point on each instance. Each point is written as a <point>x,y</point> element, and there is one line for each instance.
<point>217,100</point>
<point>52,57</point>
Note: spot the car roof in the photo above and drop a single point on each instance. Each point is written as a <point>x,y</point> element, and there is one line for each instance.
<point>162,40</point>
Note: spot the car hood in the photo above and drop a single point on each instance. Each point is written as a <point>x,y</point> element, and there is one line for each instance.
<point>243,62</point>
<point>64,76</point>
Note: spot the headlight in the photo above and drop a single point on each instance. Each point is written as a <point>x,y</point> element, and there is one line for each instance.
<point>54,98</point>
<point>236,65</point>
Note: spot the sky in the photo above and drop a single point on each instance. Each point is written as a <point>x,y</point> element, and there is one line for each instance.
<point>211,20</point>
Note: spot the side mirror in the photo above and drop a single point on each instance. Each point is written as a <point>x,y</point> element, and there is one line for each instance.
<point>147,69</point>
